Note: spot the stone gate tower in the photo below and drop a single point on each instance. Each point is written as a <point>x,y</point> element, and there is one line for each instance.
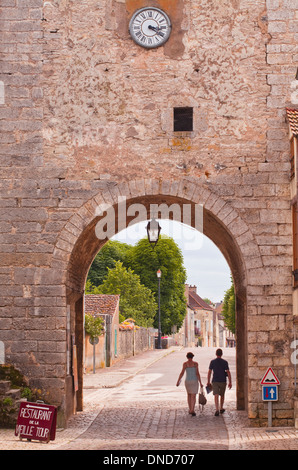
<point>186,102</point>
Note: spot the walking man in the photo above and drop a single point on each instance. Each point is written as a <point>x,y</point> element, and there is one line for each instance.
<point>220,369</point>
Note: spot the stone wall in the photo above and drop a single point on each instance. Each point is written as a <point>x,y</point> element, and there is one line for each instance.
<point>131,343</point>
<point>87,115</point>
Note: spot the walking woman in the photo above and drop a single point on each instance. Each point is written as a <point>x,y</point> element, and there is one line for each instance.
<point>192,381</point>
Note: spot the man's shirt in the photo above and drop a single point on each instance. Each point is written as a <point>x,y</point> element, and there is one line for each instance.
<point>219,367</point>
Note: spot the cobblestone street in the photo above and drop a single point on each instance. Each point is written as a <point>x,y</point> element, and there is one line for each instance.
<point>135,406</point>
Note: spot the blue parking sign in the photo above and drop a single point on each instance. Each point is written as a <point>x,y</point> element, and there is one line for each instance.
<point>269,392</point>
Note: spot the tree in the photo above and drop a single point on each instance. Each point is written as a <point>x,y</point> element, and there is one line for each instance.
<point>136,300</point>
<point>93,325</point>
<point>144,261</point>
<point>110,253</point>
<point>228,309</point>
<point>167,257</point>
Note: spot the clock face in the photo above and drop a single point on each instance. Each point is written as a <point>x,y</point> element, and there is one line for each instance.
<point>150,27</point>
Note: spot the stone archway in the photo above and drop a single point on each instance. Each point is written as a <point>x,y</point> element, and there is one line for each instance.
<point>222,224</point>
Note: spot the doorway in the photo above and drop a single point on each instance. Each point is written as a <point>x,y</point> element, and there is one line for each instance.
<point>220,220</point>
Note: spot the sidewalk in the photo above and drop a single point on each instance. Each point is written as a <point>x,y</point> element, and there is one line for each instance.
<point>124,369</point>
<point>96,389</point>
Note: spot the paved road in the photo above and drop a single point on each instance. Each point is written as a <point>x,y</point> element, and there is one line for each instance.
<point>150,412</point>
<point>135,405</point>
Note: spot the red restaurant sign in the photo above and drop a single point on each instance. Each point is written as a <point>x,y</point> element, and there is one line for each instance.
<point>36,421</point>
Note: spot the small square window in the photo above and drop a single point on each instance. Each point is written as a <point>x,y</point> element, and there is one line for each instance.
<point>183,119</point>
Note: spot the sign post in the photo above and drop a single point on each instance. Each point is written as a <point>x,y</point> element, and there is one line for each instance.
<point>94,340</point>
<point>36,421</point>
<point>270,384</point>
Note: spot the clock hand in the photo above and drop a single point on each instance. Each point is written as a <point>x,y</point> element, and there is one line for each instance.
<point>157,30</point>
<point>153,28</point>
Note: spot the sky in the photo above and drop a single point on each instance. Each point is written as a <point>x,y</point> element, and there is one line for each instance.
<point>205,265</point>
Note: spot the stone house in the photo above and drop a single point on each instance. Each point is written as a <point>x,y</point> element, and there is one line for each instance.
<point>120,340</point>
<point>205,320</point>
<point>106,351</point>
<point>225,338</point>
<point>186,335</point>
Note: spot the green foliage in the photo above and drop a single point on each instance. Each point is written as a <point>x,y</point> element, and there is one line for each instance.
<point>167,257</point>
<point>110,253</point>
<point>89,287</point>
<point>93,325</point>
<point>32,394</point>
<point>27,393</point>
<point>136,300</point>
<point>228,310</point>
<point>8,408</point>
<point>8,412</point>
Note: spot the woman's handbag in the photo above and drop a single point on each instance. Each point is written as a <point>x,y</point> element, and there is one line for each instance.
<point>202,398</point>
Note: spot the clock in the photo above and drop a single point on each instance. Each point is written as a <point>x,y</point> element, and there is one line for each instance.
<point>150,27</point>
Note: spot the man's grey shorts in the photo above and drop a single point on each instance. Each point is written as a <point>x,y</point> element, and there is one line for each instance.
<point>219,388</point>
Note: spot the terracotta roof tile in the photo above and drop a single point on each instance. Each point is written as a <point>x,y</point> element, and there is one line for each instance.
<point>195,301</point>
<point>101,304</point>
<point>293,120</point>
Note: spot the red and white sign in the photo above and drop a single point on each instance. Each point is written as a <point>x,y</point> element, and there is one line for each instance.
<point>36,421</point>
<point>270,378</point>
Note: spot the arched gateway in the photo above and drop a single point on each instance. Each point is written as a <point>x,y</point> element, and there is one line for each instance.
<point>221,223</point>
